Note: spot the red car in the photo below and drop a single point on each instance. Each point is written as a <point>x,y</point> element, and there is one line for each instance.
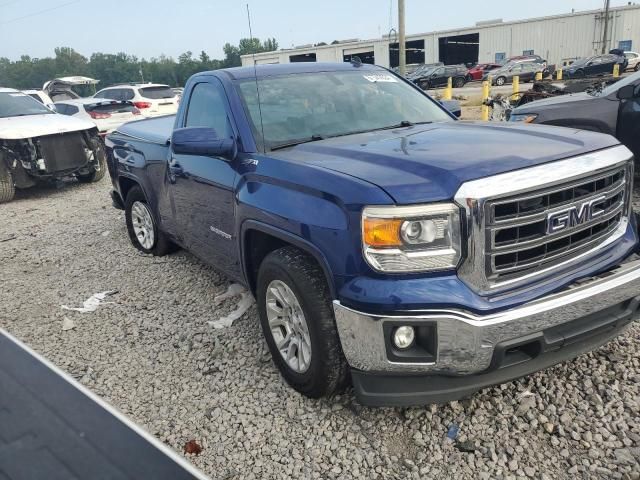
<point>477,72</point>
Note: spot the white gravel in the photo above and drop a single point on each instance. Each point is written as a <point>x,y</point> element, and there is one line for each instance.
<point>153,354</point>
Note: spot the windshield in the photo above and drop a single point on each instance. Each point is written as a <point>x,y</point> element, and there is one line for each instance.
<point>614,87</point>
<point>310,106</point>
<point>15,104</point>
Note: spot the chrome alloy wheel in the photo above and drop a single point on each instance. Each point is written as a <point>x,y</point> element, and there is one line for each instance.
<point>288,326</point>
<point>142,223</point>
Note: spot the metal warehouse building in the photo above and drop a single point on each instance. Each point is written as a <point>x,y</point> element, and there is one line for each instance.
<point>559,38</point>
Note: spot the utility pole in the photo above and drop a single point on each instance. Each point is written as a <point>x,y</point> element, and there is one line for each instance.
<point>402,64</point>
<point>605,34</point>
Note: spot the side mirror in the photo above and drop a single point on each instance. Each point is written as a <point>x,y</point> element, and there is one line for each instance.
<point>202,141</point>
<point>627,92</point>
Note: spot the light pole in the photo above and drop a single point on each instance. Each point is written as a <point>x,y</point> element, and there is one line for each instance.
<point>605,33</point>
<point>402,63</point>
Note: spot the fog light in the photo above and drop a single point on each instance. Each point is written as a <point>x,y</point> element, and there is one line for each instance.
<point>403,337</point>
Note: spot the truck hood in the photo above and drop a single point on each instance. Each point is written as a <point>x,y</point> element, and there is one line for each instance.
<point>16,128</point>
<point>429,163</point>
<point>553,101</point>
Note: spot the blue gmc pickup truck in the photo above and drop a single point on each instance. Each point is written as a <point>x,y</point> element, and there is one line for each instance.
<point>386,243</point>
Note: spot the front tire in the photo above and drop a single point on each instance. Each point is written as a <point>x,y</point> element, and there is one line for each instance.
<point>458,83</point>
<point>297,320</point>
<point>98,171</point>
<point>500,81</point>
<point>142,226</point>
<point>7,186</point>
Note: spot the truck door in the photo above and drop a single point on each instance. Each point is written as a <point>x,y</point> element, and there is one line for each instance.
<point>202,187</point>
<point>628,129</point>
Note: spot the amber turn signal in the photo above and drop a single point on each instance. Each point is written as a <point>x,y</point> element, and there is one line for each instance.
<point>382,232</point>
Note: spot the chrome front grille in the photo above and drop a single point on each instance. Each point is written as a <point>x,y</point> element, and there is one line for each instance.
<point>520,234</point>
<point>524,225</point>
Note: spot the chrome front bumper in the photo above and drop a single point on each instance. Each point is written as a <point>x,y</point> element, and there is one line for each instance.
<point>465,341</point>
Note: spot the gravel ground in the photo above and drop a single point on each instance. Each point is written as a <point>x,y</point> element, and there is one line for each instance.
<point>152,354</point>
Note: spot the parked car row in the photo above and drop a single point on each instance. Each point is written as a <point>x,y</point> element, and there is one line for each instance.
<point>614,109</point>
<point>55,132</point>
<point>38,145</point>
<point>525,66</point>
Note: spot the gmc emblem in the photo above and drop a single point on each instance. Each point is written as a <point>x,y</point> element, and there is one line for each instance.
<point>575,215</point>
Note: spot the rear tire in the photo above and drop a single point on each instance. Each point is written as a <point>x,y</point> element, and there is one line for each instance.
<point>293,272</point>
<point>636,68</point>
<point>142,226</point>
<point>458,82</point>
<point>500,81</point>
<point>7,187</point>
<point>100,169</point>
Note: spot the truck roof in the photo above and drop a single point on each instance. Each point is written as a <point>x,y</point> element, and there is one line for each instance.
<point>239,73</point>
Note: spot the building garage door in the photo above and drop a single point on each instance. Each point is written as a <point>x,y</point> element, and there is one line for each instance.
<point>459,49</point>
<point>304,57</point>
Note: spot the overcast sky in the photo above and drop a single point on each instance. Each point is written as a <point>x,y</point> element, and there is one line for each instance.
<point>148,28</point>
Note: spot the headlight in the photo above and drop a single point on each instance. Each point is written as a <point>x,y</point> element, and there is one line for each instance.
<point>412,239</point>
<point>523,117</point>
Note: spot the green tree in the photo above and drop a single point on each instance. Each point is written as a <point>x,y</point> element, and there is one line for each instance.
<point>121,67</point>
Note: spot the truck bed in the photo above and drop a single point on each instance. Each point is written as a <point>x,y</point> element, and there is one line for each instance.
<point>154,130</point>
<point>51,427</point>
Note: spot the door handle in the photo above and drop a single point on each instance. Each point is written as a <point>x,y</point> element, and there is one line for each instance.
<point>176,169</point>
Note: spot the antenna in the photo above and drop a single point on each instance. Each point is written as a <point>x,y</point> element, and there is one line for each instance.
<point>255,76</point>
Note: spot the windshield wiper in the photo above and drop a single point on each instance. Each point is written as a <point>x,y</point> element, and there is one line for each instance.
<point>313,138</point>
<point>402,124</point>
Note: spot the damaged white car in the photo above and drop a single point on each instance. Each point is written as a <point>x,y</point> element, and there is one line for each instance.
<point>39,145</point>
<point>60,89</point>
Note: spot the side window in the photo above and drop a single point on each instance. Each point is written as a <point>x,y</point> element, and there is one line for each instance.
<point>127,94</point>
<point>207,108</point>
<point>439,72</point>
<point>61,108</point>
<point>71,110</point>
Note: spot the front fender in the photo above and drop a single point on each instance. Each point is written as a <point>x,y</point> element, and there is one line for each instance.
<point>317,222</point>
<point>289,238</point>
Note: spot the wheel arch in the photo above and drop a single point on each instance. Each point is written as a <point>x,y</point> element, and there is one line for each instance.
<point>125,184</point>
<point>259,239</point>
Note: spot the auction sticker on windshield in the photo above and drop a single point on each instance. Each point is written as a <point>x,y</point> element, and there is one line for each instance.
<point>380,78</point>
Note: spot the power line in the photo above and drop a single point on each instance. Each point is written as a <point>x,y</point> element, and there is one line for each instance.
<point>39,12</point>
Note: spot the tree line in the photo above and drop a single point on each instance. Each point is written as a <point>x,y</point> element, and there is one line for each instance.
<point>121,67</point>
